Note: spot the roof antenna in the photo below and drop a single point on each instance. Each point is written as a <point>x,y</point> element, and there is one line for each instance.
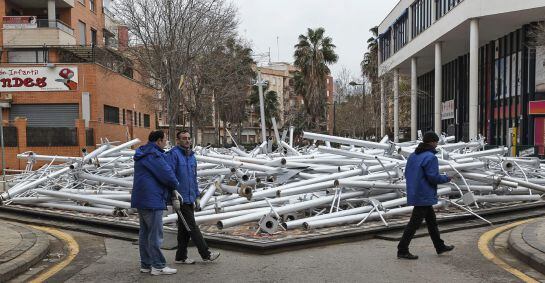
<point>277,50</point>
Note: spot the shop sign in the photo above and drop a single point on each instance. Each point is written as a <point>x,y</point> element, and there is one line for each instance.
<point>536,107</point>
<point>38,79</point>
<point>20,22</point>
<point>447,110</point>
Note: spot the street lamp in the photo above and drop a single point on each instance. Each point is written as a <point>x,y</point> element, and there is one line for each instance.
<point>353,83</point>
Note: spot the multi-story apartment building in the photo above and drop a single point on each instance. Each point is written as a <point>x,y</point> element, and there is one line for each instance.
<point>473,67</point>
<point>279,77</point>
<point>64,82</point>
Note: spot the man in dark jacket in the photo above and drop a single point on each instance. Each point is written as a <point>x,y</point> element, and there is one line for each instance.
<point>182,159</point>
<point>422,177</point>
<point>153,183</point>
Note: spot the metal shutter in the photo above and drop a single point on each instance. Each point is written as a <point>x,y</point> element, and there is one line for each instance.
<point>46,115</point>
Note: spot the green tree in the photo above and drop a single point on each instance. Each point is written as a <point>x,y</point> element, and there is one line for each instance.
<point>313,54</point>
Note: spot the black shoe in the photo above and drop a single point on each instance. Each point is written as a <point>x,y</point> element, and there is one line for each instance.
<point>445,249</point>
<point>407,255</point>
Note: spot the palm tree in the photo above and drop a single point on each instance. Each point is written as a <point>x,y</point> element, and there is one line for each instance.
<point>369,69</point>
<point>270,101</point>
<point>313,54</point>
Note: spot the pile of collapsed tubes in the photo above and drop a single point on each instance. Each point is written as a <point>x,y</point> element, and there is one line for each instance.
<point>310,187</point>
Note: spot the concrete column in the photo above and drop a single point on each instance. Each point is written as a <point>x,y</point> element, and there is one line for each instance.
<point>382,110</point>
<point>414,97</point>
<point>438,87</point>
<point>51,13</point>
<point>473,78</point>
<point>396,105</point>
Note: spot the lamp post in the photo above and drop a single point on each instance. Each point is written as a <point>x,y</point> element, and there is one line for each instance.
<point>354,84</point>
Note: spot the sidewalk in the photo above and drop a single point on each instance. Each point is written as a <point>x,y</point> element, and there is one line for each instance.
<point>20,248</point>
<point>527,243</point>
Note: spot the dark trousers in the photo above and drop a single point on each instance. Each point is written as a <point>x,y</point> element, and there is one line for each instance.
<point>195,234</point>
<point>420,213</point>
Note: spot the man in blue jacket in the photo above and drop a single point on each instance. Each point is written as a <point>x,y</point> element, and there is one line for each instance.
<point>154,181</point>
<point>182,159</point>
<point>422,177</point>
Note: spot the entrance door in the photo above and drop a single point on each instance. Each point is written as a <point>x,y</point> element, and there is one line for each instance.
<point>130,124</point>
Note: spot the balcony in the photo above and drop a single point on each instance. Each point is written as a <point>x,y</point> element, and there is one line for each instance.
<point>25,31</point>
<point>36,4</point>
<point>110,24</point>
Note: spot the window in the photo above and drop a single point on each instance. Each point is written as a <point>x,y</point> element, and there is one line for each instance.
<point>135,119</point>
<point>111,114</point>
<point>139,119</point>
<point>146,121</point>
<point>82,33</point>
<point>384,45</point>
<point>124,120</point>
<point>93,37</point>
<point>421,16</point>
<point>92,5</point>
<point>28,56</point>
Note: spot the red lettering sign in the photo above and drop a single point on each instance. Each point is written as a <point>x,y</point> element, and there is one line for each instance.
<point>27,82</point>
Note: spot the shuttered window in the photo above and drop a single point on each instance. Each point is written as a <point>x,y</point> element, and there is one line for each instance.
<point>46,115</point>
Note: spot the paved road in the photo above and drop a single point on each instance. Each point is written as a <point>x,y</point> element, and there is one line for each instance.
<point>364,261</point>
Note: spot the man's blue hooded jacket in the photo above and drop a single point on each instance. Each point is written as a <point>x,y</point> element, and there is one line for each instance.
<point>185,167</point>
<point>422,176</point>
<point>153,178</point>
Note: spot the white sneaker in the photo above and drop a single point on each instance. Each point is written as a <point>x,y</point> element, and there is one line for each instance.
<point>213,256</point>
<point>164,271</point>
<point>145,270</point>
<point>186,261</point>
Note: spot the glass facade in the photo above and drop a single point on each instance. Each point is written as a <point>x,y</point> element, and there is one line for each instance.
<point>401,31</point>
<point>385,46</point>
<point>421,16</point>
<point>508,79</point>
<point>412,22</point>
<point>444,6</point>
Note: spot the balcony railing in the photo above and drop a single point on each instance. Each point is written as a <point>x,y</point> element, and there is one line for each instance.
<point>55,24</point>
<point>107,12</point>
<point>30,22</point>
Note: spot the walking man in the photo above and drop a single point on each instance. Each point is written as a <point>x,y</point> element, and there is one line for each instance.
<point>184,163</point>
<point>154,182</point>
<point>422,177</point>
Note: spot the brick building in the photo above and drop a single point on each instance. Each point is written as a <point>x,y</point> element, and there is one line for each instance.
<point>64,83</point>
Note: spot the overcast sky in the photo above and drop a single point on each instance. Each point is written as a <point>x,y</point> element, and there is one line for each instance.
<point>346,21</point>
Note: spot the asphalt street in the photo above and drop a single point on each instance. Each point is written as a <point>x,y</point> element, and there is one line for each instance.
<point>362,261</point>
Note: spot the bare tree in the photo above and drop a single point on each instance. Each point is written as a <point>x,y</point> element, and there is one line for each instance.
<point>167,36</point>
<point>342,84</point>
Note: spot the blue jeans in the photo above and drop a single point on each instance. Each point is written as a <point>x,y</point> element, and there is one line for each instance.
<point>151,238</point>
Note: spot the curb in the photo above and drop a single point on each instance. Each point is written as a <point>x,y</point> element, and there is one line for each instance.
<point>127,231</point>
<point>33,247</point>
<point>524,244</point>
